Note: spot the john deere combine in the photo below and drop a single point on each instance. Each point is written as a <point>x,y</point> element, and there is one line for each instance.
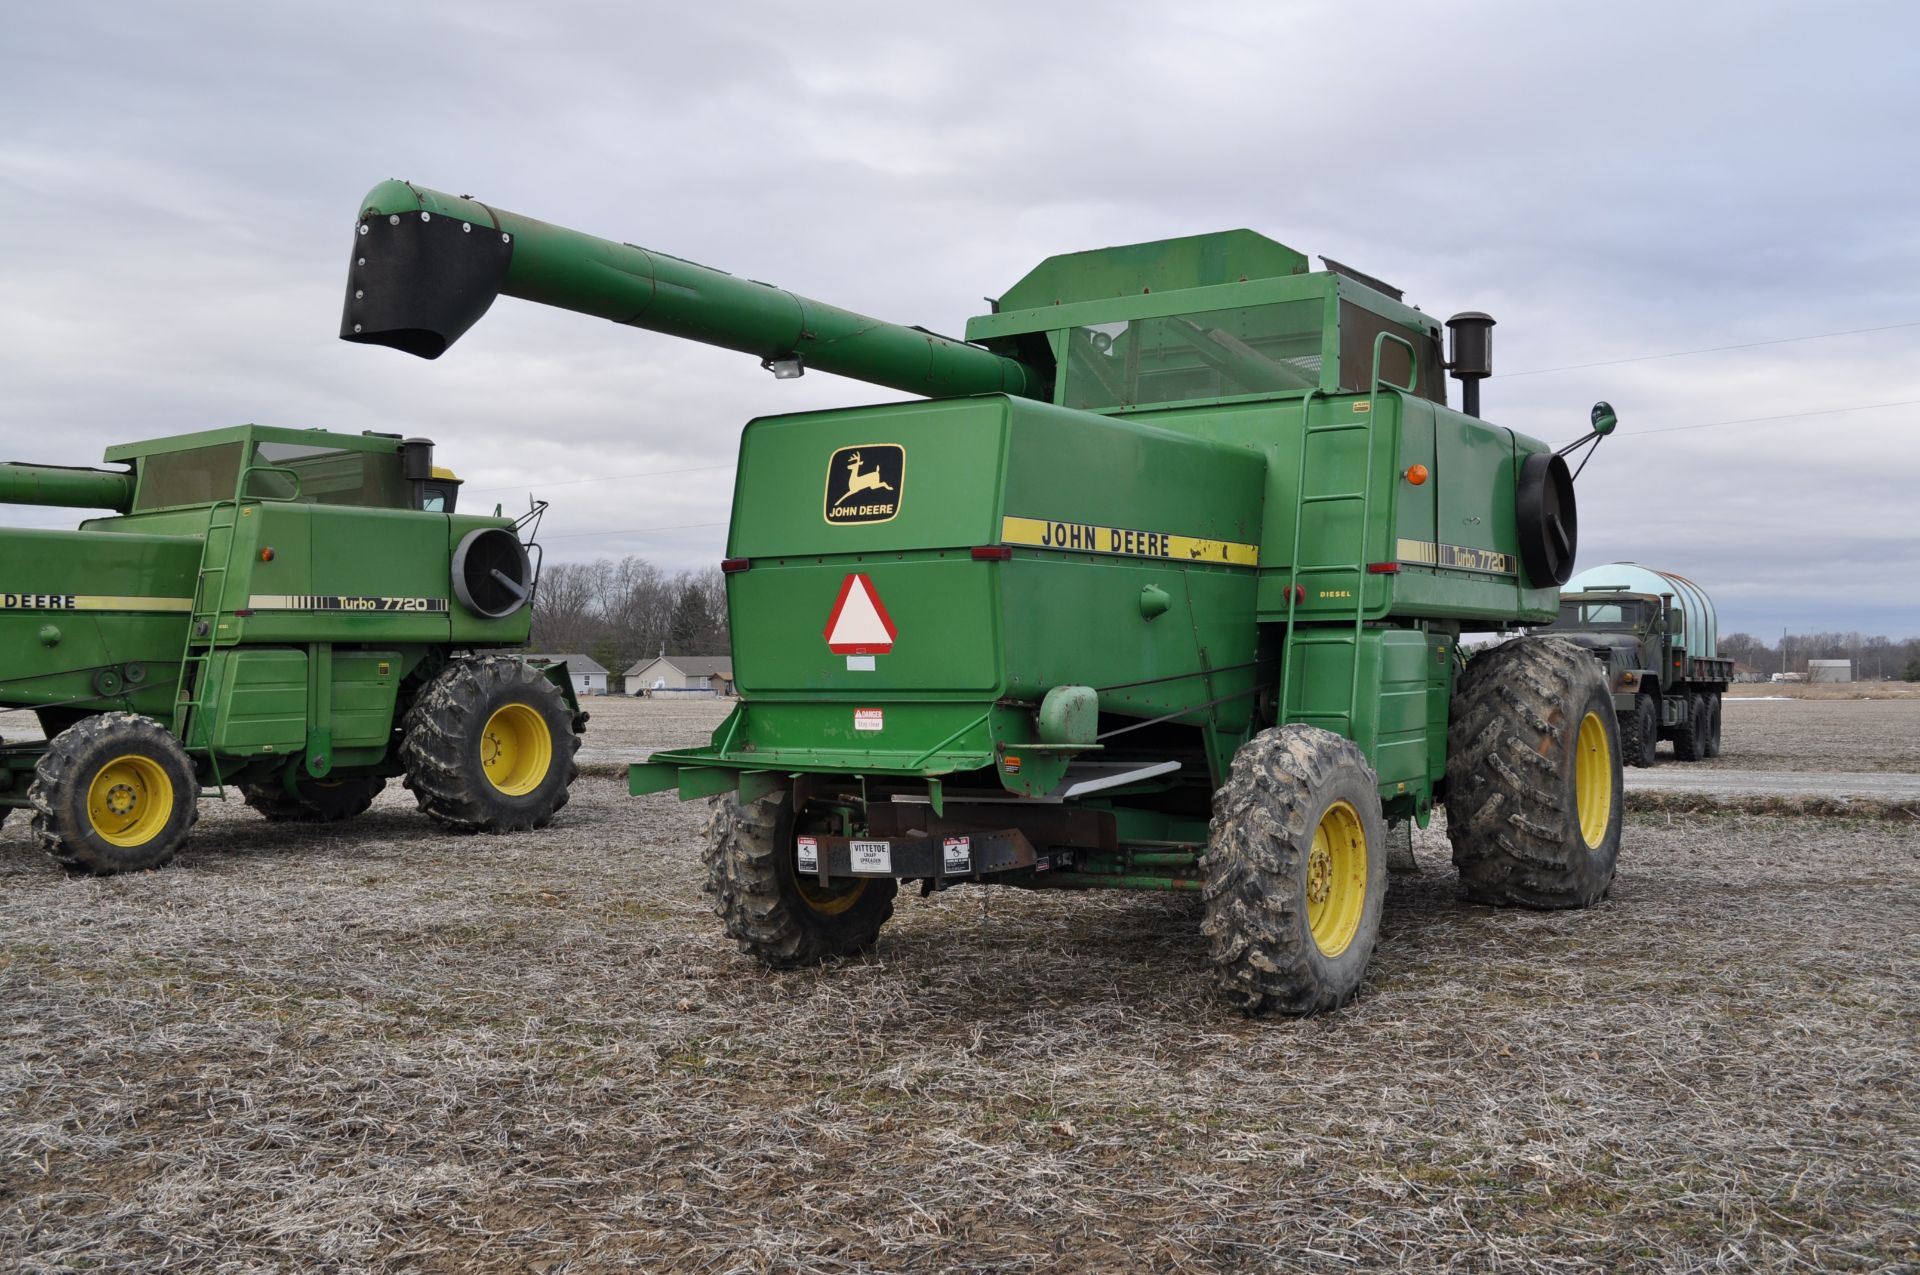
<point>1163,589</point>
<point>298,613</point>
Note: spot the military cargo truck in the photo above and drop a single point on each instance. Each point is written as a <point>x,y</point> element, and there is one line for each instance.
<point>1658,636</point>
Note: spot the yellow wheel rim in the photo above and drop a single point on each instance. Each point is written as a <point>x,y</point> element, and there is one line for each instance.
<point>1337,879</point>
<point>1593,780</point>
<point>832,900</point>
<point>516,751</point>
<point>130,800</point>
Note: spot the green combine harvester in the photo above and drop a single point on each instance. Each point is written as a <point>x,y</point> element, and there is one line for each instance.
<point>1160,587</point>
<point>298,613</point>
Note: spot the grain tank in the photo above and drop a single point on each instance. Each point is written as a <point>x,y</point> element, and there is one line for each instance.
<point>1160,587</point>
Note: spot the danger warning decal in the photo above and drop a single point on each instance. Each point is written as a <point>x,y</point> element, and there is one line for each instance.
<point>1127,542</point>
<point>858,623</point>
<point>336,602</point>
<point>864,482</point>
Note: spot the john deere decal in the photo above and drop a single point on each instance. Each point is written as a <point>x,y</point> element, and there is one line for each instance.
<point>863,483</point>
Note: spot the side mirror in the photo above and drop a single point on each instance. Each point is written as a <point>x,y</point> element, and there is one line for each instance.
<point>1603,418</point>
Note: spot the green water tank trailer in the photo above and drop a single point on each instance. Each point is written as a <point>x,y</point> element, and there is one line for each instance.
<point>1161,586</point>
<point>1657,636</point>
<point>298,613</point>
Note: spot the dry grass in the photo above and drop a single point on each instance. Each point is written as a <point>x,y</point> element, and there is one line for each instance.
<point>378,1048</point>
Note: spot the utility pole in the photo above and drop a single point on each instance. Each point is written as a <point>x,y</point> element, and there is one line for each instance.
<point>1783,652</point>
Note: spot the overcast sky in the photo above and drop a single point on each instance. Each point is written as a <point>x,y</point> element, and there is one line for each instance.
<point>178,183</point>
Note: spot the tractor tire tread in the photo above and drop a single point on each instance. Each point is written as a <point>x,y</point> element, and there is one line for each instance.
<point>56,824</point>
<point>1510,812</point>
<point>1258,840</point>
<point>743,858</point>
<point>439,730</point>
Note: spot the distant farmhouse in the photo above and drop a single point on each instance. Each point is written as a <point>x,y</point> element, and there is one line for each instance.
<point>675,673</point>
<point>589,677</point>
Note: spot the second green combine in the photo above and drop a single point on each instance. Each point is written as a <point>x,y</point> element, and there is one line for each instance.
<point>301,614</point>
<point>1163,589</point>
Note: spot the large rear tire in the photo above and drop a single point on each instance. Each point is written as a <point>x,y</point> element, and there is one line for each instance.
<point>114,793</point>
<point>776,916</point>
<point>488,747</point>
<point>1714,703</point>
<point>315,800</point>
<point>1533,777</point>
<point>1640,732</point>
<point>1295,873</point>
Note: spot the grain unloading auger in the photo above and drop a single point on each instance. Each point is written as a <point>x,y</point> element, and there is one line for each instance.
<point>1161,588</point>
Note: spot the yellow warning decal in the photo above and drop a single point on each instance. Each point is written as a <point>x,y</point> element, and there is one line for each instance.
<point>89,602</point>
<point>1426,553</point>
<point>1126,542</point>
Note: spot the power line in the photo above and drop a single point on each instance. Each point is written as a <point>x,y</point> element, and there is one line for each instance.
<point>1756,420</point>
<point>1711,349</point>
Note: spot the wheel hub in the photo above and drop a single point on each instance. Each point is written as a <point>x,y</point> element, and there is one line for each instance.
<point>121,799</point>
<point>1319,875</point>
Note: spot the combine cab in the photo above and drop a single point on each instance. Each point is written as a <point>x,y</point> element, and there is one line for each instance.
<point>1161,588</point>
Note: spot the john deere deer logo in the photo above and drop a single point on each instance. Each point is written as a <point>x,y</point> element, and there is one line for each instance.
<point>863,483</point>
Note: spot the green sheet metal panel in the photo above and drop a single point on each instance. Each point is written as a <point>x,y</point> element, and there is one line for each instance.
<point>262,702</point>
<point>364,685</point>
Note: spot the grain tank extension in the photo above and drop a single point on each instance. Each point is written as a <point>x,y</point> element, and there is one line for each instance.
<point>1160,586</point>
<point>299,613</point>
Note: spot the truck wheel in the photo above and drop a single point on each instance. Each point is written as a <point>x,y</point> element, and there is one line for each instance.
<point>114,793</point>
<point>1533,777</point>
<point>1295,873</point>
<point>488,747</point>
<point>315,800</point>
<point>777,916</point>
<point>1713,725</point>
<point>1690,739</point>
<point>1640,732</point>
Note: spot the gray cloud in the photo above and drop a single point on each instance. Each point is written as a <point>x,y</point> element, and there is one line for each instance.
<point>177,183</point>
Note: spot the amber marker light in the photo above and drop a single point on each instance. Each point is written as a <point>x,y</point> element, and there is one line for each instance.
<point>266,554</point>
<point>1416,474</point>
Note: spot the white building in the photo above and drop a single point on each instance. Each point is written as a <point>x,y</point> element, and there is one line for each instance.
<point>1829,670</point>
<point>588,675</point>
<point>713,673</point>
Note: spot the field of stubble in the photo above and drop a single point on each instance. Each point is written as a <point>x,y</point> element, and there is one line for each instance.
<point>376,1047</point>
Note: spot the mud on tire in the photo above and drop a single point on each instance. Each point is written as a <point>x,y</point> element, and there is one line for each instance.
<point>1264,867</point>
<point>114,793</point>
<point>315,800</point>
<point>1522,715</point>
<point>767,909</point>
<point>489,745</point>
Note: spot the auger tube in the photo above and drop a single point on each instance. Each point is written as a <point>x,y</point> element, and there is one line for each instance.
<point>66,487</point>
<point>427,265</point>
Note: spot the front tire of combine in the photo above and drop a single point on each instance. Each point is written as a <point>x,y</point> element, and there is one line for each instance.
<point>114,793</point>
<point>1533,777</point>
<point>1295,873</point>
<point>315,800</point>
<point>1640,732</point>
<point>776,916</point>
<point>488,747</point>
